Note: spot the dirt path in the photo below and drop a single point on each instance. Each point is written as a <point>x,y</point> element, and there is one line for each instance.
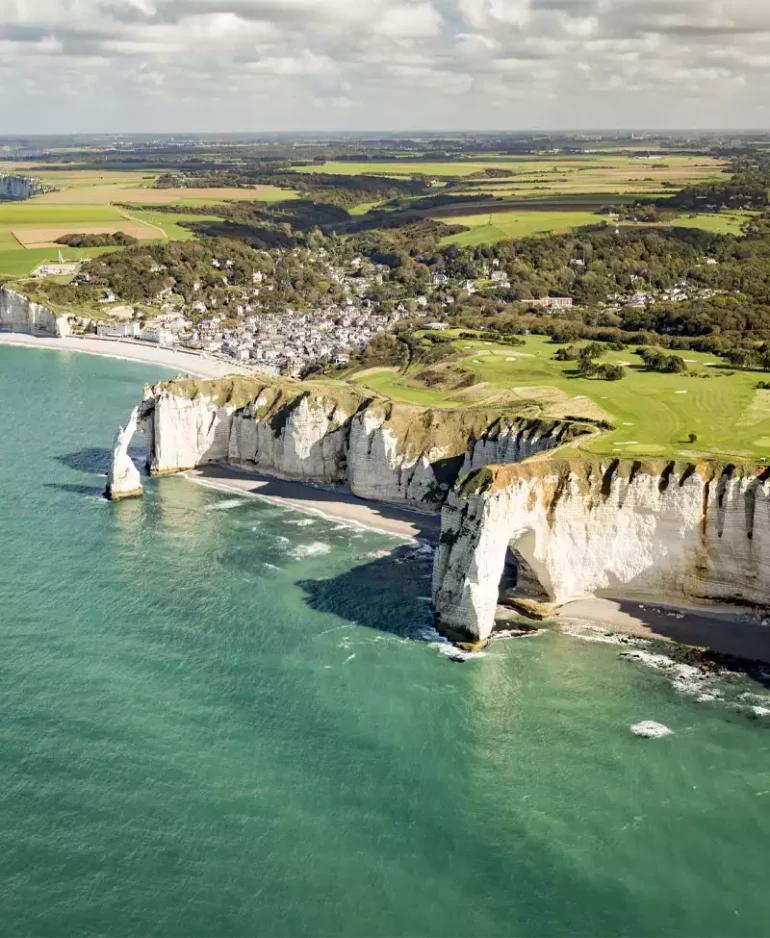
<point>145,224</point>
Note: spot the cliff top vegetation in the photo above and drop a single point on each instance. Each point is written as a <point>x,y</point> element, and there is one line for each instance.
<point>706,409</point>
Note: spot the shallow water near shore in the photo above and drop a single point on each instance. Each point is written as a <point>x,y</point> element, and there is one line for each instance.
<point>221,717</point>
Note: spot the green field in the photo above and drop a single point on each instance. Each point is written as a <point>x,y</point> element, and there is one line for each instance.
<point>170,222</point>
<point>722,223</point>
<point>486,229</point>
<point>613,167</point>
<point>17,261</point>
<point>653,413</point>
<point>14,214</point>
<point>501,226</point>
<point>20,262</point>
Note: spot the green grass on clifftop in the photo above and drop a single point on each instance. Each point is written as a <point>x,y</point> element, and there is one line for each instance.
<point>654,414</point>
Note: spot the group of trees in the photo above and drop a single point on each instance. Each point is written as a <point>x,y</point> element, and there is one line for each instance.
<point>118,239</point>
<point>646,212</point>
<point>588,364</point>
<point>656,360</point>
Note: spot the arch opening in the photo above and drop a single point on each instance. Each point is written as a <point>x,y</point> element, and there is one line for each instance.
<point>523,581</point>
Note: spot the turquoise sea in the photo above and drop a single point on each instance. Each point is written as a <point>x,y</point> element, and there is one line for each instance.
<point>220,717</point>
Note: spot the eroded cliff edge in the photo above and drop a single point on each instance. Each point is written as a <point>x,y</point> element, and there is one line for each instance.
<point>384,451</point>
<point>588,527</point>
<point>20,314</point>
<point>626,529</point>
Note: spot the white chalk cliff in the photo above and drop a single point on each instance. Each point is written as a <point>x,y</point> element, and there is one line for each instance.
<point>17,188</point>
<point>622,530</point>
<point>20,314</point>
<point>125,480</point>
<point>383,451</point>
<point>582,528</point>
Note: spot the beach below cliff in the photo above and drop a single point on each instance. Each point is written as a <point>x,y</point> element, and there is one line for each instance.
<point>333,502</point>
<point>724,629</point>
<point>179,361</point>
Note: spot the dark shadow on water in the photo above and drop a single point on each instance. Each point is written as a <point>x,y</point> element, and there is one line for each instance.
<point>390,594</point>
<point>74,489</point>
<point>87,460</point>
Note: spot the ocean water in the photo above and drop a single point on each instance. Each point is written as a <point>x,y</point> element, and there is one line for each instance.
<point>220,717</point>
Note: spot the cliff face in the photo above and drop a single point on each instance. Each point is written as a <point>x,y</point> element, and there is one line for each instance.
<point>16,188</point>
<point>384,451</point>
<point>18,314</point>
<point>669,531</point>
<point>626,530</point>
<point>125,480</point>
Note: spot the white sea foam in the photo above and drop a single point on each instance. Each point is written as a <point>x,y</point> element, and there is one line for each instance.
<point>685,678</point>
<point>761,700</point>
<point>648,729</point>
<point>594,633</point>
<point>225,505</point>
<point>302,523</point>
<point>457,654</point>
<point>316,549</point>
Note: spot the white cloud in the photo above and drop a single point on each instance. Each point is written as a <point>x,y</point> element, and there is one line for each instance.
<point>173,64</point>
<point>306,63</point>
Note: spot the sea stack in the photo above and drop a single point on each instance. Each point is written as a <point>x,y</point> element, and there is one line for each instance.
<point>125,480</point>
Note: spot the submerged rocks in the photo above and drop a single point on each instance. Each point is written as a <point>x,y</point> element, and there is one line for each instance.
<point>649,729</point>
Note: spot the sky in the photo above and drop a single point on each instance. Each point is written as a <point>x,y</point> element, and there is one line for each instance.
<point>251,66</point>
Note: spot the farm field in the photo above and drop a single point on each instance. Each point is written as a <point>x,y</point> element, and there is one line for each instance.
<point>653,413</point>
<point>611,169</point>
<point>85,203</point>
<point>522,222</point>
<point>106,194</point>
<point>722,223</point>
<point>486,229</point>
<point>169,223</point>
<point>28,230</point>
<point>16,261</point>
<point>32,236</point>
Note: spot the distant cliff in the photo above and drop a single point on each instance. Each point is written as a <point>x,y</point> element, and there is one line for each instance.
<point>17,188</point>
<point>19,314</point>
<point>384,451</point>
<point>669,531</point>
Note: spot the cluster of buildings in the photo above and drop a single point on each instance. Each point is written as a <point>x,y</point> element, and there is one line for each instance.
<point>245,327</point>
<point>679,293</point>
<point>271,343</point>
<point>289,341</point>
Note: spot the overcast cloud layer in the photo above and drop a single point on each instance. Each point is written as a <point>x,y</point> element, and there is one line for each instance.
<point>264,65</point>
